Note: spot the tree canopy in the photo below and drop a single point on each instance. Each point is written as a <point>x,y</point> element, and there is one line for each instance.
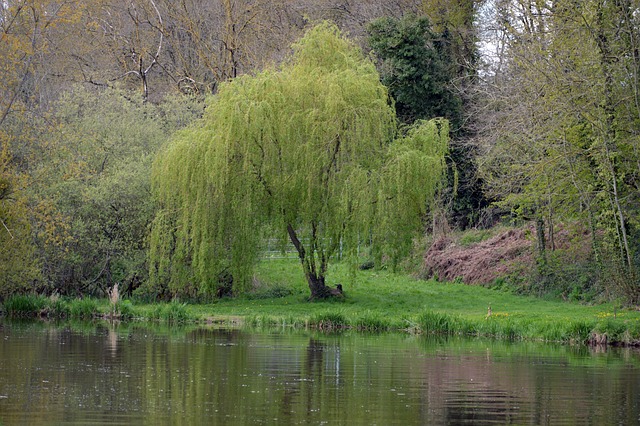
<point>560,126</point>
<point>417,67</point>
<point>427,70</point>
<point>306,152</point>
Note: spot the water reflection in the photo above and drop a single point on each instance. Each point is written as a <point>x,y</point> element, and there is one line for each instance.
<point>106,374</point>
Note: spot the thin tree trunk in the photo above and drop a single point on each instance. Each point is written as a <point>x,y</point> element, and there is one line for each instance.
<point>609,133</point>
<point>542,242</point>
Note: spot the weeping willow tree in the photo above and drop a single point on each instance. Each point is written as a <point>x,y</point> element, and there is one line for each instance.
<point>307,152</point>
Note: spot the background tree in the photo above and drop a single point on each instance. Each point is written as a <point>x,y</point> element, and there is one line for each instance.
<point>416,68</point>
<point>560,134</point>
<point>18,266</point>
<point>303,150</point>
<point>427,73</point>
<point>91,197</point>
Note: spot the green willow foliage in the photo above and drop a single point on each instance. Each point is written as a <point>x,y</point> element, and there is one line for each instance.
<point>304,152</point>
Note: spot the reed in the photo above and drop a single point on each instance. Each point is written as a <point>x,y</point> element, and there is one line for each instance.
<point>329,320</point>
<point>125,310</point>
<point>86,308</point>
<point>262,321</point>
<point>372,321</point>
<point>58,308</point>
<point>438,323</point>
<point>25,305</point>
<point>376,301</point>
<point>173,312</point>
<point>114,295</point>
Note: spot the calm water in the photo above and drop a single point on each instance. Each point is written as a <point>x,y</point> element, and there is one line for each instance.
<point>99,374</point>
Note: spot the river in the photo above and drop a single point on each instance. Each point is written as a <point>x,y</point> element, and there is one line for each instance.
<point>103,374</point>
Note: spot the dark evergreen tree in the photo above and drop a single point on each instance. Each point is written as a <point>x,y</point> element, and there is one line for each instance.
<point>420,67</point>
<point>417,68</point>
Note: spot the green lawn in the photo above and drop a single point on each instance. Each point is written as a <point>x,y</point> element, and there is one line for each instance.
<point>374,301</point>
<point>383,300</point>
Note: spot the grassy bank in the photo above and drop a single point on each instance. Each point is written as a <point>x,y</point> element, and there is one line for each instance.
<point>377,301</point>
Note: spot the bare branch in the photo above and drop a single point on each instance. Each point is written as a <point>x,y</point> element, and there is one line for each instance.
<point>5,227</point>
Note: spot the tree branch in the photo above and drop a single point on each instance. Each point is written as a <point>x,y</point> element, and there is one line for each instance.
<point>296,243</point>
<point>5,227</point>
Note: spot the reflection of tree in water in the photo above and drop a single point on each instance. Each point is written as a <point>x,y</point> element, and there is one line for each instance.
<point>304,382</point>
<point>481,406</point>
<point>112,341</point>
<point>223,337</point>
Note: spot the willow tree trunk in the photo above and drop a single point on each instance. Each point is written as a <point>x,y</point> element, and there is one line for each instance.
<point>315,279</point>
<point>319,290</point>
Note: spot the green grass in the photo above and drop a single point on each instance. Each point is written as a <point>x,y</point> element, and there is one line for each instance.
<point>174,312</point>
<point>85,309</point>
<point>376,301</point>
<point>474,236</point>
<point>125,310</point>
<point>381,301</point>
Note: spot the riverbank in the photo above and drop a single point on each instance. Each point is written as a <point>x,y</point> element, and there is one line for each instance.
<point>376,301</point>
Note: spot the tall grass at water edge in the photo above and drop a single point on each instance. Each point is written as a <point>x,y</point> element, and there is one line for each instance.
<point>503,327</point>
<point>27,305</point>
<point>381,301</point>
<point>173,312</point>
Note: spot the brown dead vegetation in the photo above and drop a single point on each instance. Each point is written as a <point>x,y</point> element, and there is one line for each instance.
<point>482,262</point>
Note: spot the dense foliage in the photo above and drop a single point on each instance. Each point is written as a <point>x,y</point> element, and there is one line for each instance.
<point>17,266</point>
<point>304,152</point>
<point>426,71</point>
<point>560,137</point>
<point>543,99</point>
<point>417,67</point>
<point>87,192</point>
